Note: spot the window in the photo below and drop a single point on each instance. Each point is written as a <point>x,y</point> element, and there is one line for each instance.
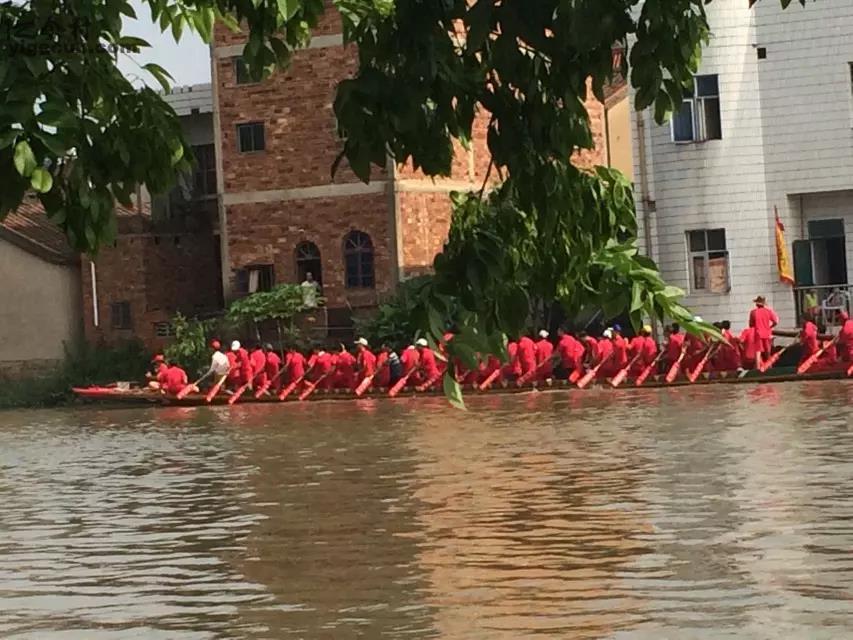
<point>358,257</point>
<point>204,172</point>
<point>308,261</point>
<point>164,330</point>
<point>241,71</point>
<point>698,119</point>
<point>120,315</point>
<point>709,260</point>
<point>250,137</point>
<point>255,278</point>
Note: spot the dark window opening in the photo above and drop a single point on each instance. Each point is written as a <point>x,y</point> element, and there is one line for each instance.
<point>698,119</point>
<point>250,137</point>
<point>308,260</point>
<point>709,261</point>
<point>120,315</point>
<point>358,259</point>
<point>241,71</point>
<point>255,278</point>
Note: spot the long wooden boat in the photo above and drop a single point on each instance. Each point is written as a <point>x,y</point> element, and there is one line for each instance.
<point>122,394</point>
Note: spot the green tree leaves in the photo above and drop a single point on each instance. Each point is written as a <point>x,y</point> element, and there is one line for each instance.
<point>25,160</point>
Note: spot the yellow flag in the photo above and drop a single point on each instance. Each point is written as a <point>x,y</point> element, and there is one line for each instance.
<point>783,258</point>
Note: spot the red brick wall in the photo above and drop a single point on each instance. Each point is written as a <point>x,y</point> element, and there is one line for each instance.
<point>269,234</point>
<point>157,277</point>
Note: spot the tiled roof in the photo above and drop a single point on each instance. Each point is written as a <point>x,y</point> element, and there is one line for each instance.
<point>29,228</point>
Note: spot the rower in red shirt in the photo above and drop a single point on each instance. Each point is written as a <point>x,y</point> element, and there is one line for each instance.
<point>808,338</point>
<point>674,345</point>
<point>638,348</point>
<point>272,365</point>
<point>492,364</point>
<point>429,371</point>
<point>620,352</point>
<point>295,365</point>
<point>696,348</point>
<point>157,377</point>
<point>258,361</point>
<point>570,351</point>
<point>235,362</point>
<point>762,319</point>
<point>845,338</point>
<point>605,354</point>
<point>728,356</point>
<point>345,371</point>
<point>365,361</point>
<point>590,350</point>
<point>748,347</point>
<point>411,359</point>
<point>175,380</point>
<point>512,369</point>
<point>322,368</point>
<point>383,368</point>
<point>526,354</point>
<point>544,353</point>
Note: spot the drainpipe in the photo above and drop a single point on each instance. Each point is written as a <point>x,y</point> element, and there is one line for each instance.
<point>644,194</point>
<point>95,318</point>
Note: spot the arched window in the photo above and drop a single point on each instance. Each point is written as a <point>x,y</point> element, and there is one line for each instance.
<point>308,261</point>
<point>358,257</point>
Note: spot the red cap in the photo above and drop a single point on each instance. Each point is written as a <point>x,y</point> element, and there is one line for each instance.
<point>159,358</point>
<point>215,344</point>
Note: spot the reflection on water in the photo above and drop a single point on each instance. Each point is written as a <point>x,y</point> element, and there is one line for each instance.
<point>721,512</point>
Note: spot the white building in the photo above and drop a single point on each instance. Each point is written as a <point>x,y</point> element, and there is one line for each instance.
<point>770,125</point>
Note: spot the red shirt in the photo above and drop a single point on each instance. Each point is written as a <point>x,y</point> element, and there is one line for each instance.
<point>428,364</point>
<point>383,371</point>
<point>674,346</point>
<point>620,352</point>
<point>650,350</point>
<point>272,365</point>
<point>245,366</point>
<point>808,338</point>
<point>259,362</point>
<point>234,364</point>
<point>845,340</point>
<point>175,379</point>
<point>636,346</point>
<point>410,359</point>
<point>513,367</point>
<point>605,350</point>
<point>526,354</point>
<point>728,358</point>
<point>544,351</point>
<point>591,348</point>
<point>345,373</point>
<point>367,363</point>
<point>162,370</point>
<point>295,366</point>
<point>748,344</point>
<point>763,319</point>
<point>571,352</point>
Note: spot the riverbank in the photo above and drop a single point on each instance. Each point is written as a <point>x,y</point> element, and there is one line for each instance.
<point>84,365</point>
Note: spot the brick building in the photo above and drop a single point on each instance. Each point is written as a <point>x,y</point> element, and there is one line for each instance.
<point>281,212</point>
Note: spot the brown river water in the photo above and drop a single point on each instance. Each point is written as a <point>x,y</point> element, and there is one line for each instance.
<point>700,513</point>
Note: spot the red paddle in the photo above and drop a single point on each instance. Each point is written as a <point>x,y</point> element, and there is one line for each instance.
<point>583,382</point>
<point>236,395</point>
<point>488,381</point>
<point>401,383</point>
<point>694,375</point>
<point>774,358</point>
<point>364,386</point>
<point>850,371</point>
<point>648,370</point>
<point>575,375</point>
<point>313,386</point>
<point>426,385</point>
<point>289,388</point>
<point>214,390</point>
<point>672,374</point>
<point>808,364</point>
<point>619,378</point>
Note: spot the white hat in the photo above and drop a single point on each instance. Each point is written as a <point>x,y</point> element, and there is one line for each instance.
<point>608,333</point>
<point>362,341</point>
<point>235,346</point>
<point>697,319</point>
<point>422,342</point>
<point>543,334</point>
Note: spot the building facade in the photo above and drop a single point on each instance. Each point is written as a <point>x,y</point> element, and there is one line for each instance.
<point>283,215</point>
<point>748,141</point>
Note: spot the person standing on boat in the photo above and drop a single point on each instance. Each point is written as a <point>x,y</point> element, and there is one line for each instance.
<point>272,366</point>
<point>674,345</point>
<point>544,353</point>
<point>258,360</point>
<point>429,371</point>
<point>762,319</point>
<point>527,355</point>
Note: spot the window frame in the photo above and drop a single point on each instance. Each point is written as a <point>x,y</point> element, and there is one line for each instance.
<point>706,255</point>
<point>254,149</point>
<point>698,120</point>
<point>238,62</point>
<point>365,277</point>
<point>300,260</point>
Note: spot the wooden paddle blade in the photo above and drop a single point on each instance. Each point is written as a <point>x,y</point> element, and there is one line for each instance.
<point>213,391</point>
<point>264,388</point>
<point>364,386</point>
<point>288,390</point>
<point>808,363</point>
<point>488,381</point>
<point>642,377</point>
<point>619,378</point>
<point>587,378</point>
<point>672,374</point>
<point>398,387</point>
<point>575,376</point>
<point>183,393</point>
<point>308,391</point>
<point>236,396</point>
<point>850,371</point>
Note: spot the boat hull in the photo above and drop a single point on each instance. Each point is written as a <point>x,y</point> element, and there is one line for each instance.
<point>149,397</point>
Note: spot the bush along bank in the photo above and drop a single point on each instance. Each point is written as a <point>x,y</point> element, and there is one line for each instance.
<point>84,365</point>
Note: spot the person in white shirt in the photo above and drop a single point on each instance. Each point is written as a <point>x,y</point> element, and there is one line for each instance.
<point>310,291</point>
<point>219,366</point>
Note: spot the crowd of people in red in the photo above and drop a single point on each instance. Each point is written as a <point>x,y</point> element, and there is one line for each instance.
<point>529,359</point>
